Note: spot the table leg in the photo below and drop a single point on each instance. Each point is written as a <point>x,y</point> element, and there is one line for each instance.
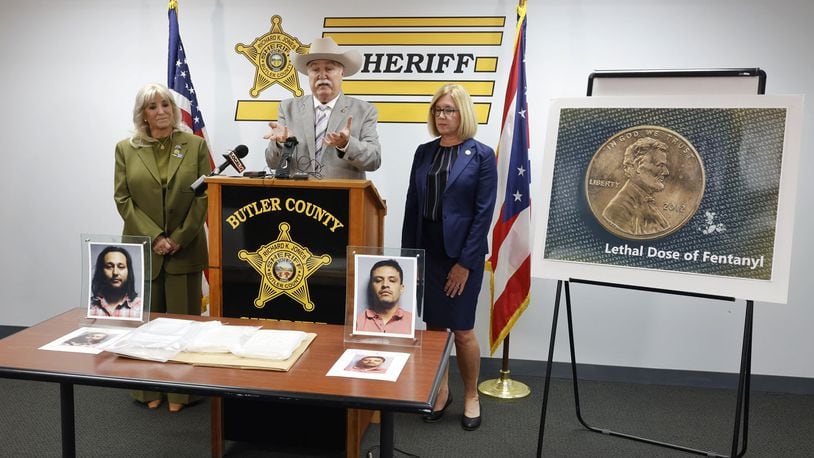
<point>386,434</point>
<point>68,426</point>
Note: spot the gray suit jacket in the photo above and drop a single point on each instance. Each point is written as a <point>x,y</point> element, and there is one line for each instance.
<point>363,152</point>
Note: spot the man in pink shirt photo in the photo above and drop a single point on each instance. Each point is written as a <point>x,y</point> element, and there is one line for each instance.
<point>113,286</point>
<point>384,313</point>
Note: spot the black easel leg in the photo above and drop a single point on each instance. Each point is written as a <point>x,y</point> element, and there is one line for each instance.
<point>574,377</point>
<point>68,426</point>
<point>548,370</point>
<point>742,407</point>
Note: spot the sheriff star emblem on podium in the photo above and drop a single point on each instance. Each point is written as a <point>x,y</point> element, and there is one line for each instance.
<point>285,266</point>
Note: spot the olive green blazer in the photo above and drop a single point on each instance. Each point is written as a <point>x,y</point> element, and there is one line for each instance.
<point>178,213</point>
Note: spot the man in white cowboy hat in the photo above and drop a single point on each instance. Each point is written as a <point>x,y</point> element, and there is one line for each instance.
<point>335,133</point>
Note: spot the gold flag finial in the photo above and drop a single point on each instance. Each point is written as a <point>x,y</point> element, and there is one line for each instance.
<point>173,5</point>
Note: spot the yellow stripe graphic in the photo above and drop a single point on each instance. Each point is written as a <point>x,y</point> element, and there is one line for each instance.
<point>485,64</point>
<point>257,110</point>
<point>413,87</point>
<point>416,38</point>
<point>485,21</point>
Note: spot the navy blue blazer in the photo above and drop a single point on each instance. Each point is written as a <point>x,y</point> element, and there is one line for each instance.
<point>468,201</point>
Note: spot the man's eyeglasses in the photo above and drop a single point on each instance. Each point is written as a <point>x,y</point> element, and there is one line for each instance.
<point>446,111</point>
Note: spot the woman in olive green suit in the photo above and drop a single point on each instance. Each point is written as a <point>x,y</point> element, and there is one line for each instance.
<point>154,170</point>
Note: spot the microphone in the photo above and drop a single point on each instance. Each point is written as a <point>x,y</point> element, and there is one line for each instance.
<point>283,169</point>
<point>232,158</point>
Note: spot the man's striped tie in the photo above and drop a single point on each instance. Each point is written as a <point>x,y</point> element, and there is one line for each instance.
<point>320,127</point>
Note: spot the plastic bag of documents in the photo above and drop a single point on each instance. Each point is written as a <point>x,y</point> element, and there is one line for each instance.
<point>215,337</point>
<point>158,340</point>
<point>269,344</point>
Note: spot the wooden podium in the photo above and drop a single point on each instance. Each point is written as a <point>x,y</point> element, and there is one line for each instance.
<point>278,251</point>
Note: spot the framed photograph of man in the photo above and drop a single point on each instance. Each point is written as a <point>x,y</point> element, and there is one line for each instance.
<point>384,300</point>
<point>115,281</point>
<point>690,193</point>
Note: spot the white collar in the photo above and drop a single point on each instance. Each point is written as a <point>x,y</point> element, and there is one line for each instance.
<point>330,104</point>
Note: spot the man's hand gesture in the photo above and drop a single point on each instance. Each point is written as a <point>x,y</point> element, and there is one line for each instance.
<point>277,133</point>
<point>339,139</point>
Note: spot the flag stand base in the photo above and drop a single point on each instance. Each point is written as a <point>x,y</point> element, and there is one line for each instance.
<point>504,387</point>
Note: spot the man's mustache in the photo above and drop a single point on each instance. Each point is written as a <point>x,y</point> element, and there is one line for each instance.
<point>324,83</point>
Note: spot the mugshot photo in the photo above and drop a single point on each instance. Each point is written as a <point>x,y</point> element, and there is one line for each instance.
<point>89,339</point>
<point>369,364</point>
<point>385,296</point>
<point>116,273</point>
<point>92,340</point>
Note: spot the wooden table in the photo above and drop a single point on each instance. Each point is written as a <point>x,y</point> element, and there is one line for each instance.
<point>306,383</point>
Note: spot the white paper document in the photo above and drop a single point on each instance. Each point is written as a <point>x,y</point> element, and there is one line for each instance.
<point>87,340</point>
<point>369,364</point>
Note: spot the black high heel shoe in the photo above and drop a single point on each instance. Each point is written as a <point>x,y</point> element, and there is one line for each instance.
<point>436,415</point>
<point>471,423</point>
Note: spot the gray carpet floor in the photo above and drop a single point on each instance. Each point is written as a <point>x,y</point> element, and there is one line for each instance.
<point>109,424</point>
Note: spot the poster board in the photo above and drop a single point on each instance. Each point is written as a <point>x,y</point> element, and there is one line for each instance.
<point>675,258</point>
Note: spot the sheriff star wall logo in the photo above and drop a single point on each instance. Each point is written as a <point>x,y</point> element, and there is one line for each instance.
<point>285,267</point>
<point>269,53</point>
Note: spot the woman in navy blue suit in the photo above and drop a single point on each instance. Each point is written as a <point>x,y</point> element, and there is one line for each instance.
<point>448,212</point>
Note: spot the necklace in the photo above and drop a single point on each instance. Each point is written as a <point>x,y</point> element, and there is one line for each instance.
<point>163,142</point>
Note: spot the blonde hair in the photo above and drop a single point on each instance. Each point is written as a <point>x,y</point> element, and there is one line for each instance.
<point>466,109</point>
<point>145,95</point>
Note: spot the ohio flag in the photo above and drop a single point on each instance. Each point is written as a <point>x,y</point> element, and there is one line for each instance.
<point>180,83</point>
<point>510,260</point>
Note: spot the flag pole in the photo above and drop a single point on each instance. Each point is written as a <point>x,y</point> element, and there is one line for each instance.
<point>511,226</point>
<point>504,387</point>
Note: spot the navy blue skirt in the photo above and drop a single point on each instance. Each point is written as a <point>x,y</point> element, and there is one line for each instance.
<point>440,311</point>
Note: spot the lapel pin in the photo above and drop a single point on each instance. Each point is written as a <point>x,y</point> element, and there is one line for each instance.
<point>467,152</point>
<point>177,152</point>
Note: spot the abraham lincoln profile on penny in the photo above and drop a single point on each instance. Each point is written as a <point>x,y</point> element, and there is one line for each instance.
<point>633,209</point>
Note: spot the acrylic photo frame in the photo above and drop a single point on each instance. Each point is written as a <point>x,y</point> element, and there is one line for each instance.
<point>103,259</point>
<point>368,295</point>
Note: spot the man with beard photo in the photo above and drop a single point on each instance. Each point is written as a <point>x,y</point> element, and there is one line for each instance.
<point>384,313</point>
<point>113,288</point>
<point>88,339</point>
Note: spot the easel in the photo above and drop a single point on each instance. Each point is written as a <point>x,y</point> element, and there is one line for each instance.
<point>741,423</point>
<point>739,435</point>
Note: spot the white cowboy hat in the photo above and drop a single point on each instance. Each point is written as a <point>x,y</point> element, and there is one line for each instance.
<point>326,48</point>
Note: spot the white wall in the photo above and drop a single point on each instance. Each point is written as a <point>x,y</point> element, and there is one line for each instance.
<point>71,69</point>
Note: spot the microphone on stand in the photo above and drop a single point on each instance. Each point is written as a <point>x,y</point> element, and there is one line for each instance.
<point>232,158</point>
<point>284,166</point>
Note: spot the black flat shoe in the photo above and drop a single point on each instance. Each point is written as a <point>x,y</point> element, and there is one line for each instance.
<point>469,423</point>
<point>436,415</point>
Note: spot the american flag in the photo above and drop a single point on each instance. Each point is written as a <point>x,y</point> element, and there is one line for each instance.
<point>510,260</point>
<point>180,83</point>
